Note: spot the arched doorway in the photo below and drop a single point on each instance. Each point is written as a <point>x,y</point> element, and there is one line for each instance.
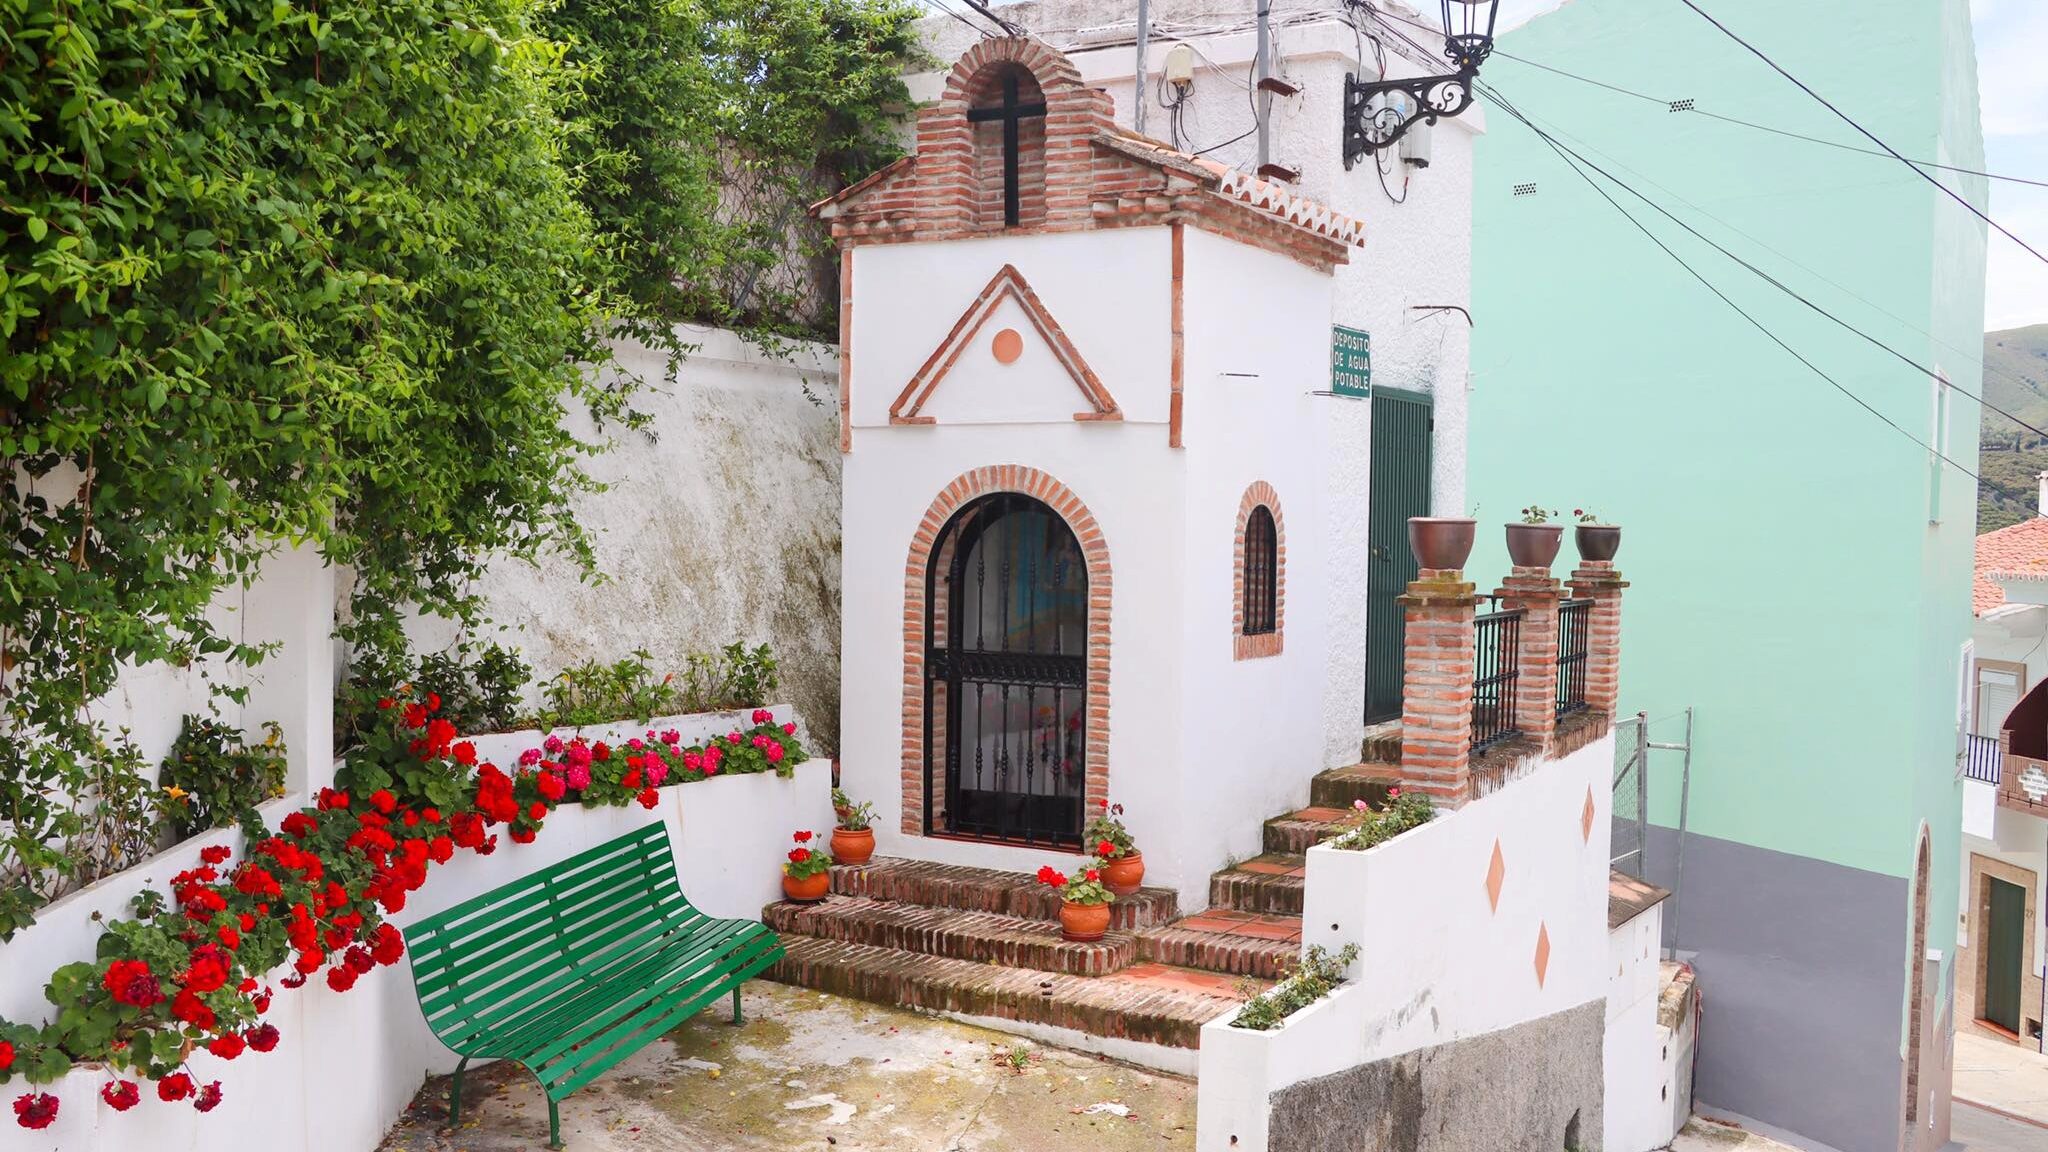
<point>1006,675</point>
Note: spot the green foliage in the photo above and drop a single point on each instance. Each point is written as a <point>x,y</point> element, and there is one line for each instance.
<point>2009,456</point>
<point>1318,974</point>
<point>214,778</point>
<point>1108,829</point>
<point>480,687</point>
<point>852,817</point>
<point>99,816</point>
<point>1409,810</point>
<point>595,692</point>
<point>1537,514</point>
<point>805,861</point>
<point>736,676</point>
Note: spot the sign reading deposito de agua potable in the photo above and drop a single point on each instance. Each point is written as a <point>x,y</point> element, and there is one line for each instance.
<point>1350,361</point>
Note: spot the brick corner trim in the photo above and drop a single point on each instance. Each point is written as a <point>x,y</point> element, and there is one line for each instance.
<point>1243,647</point>
<point>918,610</point>
<point>1007,284</point>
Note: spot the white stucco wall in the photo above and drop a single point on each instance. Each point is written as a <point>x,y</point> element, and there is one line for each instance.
<point>1641,1057</point>
<point>1437,962</point>
<point>719,523</point>
<point>349,1063</point>
<point>1417,252</point>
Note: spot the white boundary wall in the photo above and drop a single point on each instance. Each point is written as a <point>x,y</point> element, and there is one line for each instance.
<point>349,1063</point>
<point>1437,963</point>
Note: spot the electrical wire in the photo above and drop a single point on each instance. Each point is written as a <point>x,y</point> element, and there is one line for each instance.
<point>1866,133</point>
<point>1697,111</point>
<point>1009,28</point>
<point>942,6</point>
<point>1493,94</point>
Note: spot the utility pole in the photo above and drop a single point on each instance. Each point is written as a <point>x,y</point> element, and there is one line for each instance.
<point>1265,69</point>
<point>1143,94</point>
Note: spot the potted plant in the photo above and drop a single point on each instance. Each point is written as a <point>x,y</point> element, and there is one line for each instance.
<point>1084,903</point>
<point>1441,542</point>
<point>841,803</point>
<point>1534,542</point>
<point>806,875</point>
<point>853,841</point>
<point>1597,540</point>
<point>1121,864</point>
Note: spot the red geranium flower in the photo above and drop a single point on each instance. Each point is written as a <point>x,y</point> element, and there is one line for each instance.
<point>192,1010</point>
<point>121,1095</point>
<point>176,1086</point>
<point>262,1038</point>
<point>803,837</point>
<point>464,753</point>
<point>131,982</point>
<point>799,855</point>
<point>1106,848</point>
<point>648,798</point>
<point>415,715</point>
<point>383,801</point>
<point>35,1110</point>
<point>216,853</point>
<point>209,969</point>
<point>227,1047</point>
<point>341,978</point>
<point>1093,875</point>
<point>6,1055</point>
<point>389,946</point>
<point>208,1098</point>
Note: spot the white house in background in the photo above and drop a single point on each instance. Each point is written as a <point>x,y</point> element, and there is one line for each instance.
<point>1999,948</point>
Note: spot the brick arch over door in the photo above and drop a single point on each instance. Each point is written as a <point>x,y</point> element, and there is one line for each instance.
<point>1095,554</point>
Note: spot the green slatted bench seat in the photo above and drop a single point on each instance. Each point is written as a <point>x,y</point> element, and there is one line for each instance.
<point>573,968</point>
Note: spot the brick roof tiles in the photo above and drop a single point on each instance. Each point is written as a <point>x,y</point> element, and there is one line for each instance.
<point>2019,549</point>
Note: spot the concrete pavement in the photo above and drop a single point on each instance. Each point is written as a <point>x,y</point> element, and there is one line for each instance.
<point>2002,1078</point>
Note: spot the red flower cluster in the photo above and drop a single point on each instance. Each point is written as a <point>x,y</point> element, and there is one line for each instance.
<point>35,1110</point>
<point>130,982</point>
<point>1052,877</point>
<point>121,1095</point>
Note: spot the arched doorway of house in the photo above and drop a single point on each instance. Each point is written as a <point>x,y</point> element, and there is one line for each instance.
<point>1006,675</point>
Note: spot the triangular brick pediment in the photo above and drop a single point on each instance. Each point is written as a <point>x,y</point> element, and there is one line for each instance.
<point>1008,295</point>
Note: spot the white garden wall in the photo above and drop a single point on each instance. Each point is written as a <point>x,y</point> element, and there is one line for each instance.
<point>349,1063</point>
<point>1439,962</point>
<point>1643,1059</point>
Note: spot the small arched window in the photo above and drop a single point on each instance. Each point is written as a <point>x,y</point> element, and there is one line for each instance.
<point>1261,576</point>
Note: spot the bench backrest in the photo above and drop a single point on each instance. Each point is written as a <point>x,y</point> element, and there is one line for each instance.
<point>489,967</point>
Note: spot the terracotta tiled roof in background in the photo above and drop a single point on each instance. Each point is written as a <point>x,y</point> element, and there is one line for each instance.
<point>2019,548</point>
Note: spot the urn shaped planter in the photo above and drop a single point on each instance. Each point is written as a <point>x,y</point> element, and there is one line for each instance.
<point>1441,542</point>
<point>853,845</point>
<point>1083,923</point>
<point>1598,541</point>
<point>1125,874</point>
<point>1534,545</point>
<point>807,889</point>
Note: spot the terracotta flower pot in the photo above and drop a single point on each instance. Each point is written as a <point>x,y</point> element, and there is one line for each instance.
<point>1598,541</point>
<point>808,890</point>
<point>852,846</point>
<point>1124,874</point>
<point>1083,922</point>
<point>1534,545</point>
<point>1441,542</point>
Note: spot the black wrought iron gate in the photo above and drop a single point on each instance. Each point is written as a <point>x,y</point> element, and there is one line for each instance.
<point>1402,424</point>
<point>1006,675</point>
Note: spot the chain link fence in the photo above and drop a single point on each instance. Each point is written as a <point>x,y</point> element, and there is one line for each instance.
<point>1631,797</point>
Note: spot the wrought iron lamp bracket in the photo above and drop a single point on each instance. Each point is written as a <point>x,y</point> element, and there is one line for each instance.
<point>1368,129</point>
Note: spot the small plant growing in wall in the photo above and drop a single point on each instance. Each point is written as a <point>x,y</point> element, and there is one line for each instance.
<point>1371,826</point>
<point>1318,974</point>
<point>214,774</point>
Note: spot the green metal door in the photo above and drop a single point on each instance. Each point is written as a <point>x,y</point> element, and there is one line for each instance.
<point>2004,937</point>
<point>1401,428</point>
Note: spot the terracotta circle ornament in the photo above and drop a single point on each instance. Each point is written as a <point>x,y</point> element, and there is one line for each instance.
<point>1007,346</point>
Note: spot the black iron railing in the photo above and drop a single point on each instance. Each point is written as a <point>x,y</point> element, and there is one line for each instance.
<point>1982,761</point>
<point>1496,658</point>
<point>1261,568</point>
<point>1574,625</point>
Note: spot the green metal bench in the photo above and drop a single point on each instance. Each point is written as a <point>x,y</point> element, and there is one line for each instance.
<point>576,967</point>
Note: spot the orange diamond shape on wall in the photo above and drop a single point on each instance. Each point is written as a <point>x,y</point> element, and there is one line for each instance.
<point>1586,817</point>
<point>1495,873</point>
<point>1542,953</point>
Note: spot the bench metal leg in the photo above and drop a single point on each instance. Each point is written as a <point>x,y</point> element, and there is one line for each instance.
<point>736,1007</point>
<point>455,1095</point>
<point>554,1126</point>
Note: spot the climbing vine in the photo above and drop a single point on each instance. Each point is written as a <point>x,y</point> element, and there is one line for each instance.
<point>332,272</point>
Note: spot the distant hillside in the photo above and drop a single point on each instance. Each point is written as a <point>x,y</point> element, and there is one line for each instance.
<point>2015,379</point>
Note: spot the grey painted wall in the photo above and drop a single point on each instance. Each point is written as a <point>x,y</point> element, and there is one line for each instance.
<point>1802,969</point>
<point>1522,1088</point>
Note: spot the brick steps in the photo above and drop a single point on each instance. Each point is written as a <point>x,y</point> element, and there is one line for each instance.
<point>1382,744</point>
<point>1264,884</point>
<point>1300,830</point>
<point>1228,942</point>
<point>1342,787</point>
<point>1148,1003</point>
<point>980,937</point>
<point>988,890</point>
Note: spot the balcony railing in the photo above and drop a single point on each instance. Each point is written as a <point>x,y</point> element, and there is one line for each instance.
<point>1981,761</point>
<point>1496,658</point>
<point>1574,625</point>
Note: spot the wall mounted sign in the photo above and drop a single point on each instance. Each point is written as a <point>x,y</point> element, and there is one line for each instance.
<point>1350,361</point>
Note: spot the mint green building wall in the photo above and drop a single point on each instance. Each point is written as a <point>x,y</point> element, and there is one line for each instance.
<point>1800,570</point>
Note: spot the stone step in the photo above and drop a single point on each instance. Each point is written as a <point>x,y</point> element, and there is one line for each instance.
<point>1300,830</point>
<point>1147,1003</point>
<point>1382,744</point>
<point>982,937</point>
<point>1342,787</point>
<point>1270,884</point>
<point>1226,941</point>
<point>989,890</point>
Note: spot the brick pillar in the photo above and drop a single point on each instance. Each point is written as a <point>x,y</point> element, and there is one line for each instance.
<point>1436,705</point>
<point>1596,580</point>
<point>1537,594</point>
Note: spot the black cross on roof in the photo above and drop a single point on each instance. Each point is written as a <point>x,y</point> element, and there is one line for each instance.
<point>1012,114</point>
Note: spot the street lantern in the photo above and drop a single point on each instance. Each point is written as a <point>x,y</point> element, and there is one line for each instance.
<point>1376,114</point>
